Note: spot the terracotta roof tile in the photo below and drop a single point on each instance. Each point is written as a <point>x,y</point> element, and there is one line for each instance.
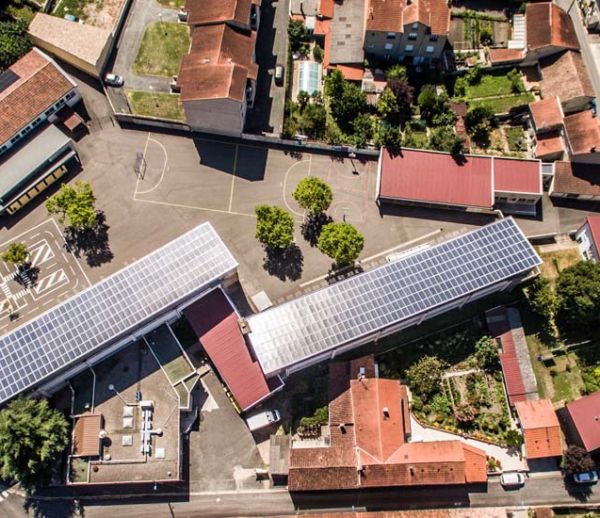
<point>585,414</point>
<point>475,464</point>
<point>326,8</point>
<point>41,84</point>
<point>573,178</point>
<point>501,56</point>
<point>86,436</point>
<point>202,12</point>
<point>583,132</point>
<point>392,16</point>
<point>594,226</point>
<point>541,428</point>
<point>566,65</point>
<point>549,25</point>
<point>322,469</point>
<point>546,113</point>
<point>549,144</point>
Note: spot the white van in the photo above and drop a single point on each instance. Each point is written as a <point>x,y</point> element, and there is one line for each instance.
<point>266,418</point>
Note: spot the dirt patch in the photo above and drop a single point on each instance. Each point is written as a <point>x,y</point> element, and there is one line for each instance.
<point>103,13</point>
<point>555,262</point>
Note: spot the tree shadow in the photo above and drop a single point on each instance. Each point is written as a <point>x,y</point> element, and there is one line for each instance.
<point>27,275</point>
<point>41,508</point>
<point>580,492</point>
<point>311,228</point>
<point>285,264</point>
<point>91,242</point>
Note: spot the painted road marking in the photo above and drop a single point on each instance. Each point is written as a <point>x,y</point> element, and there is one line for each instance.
<point>6,291</point>
<point>41,254</point>
<point>53,280</point>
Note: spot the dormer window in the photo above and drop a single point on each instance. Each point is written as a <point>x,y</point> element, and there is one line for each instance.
<point>412,35</point>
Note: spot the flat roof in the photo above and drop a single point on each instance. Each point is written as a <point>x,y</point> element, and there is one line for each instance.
<point>348,32</point>
<point>105,313</point>
<point>216,323</point>
<point>362,305</point>
<point>517,175</point>
<point>29,156</point>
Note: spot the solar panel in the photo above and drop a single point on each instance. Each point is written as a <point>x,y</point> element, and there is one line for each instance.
<point>7,78</point>
<point>107,311</point>
<point>375,300</point>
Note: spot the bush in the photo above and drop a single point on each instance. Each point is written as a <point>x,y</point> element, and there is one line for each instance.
<point>319,418</point>
<point>425,376</point>
<point>578,294</point>
<point>576,460</point>
<point>479,122</point>
<point>14,42</point>
<point>486,352</point>
<point>297,34</point>
<point>318,53</point>
<point>486,36</point>
<point>514,77</point>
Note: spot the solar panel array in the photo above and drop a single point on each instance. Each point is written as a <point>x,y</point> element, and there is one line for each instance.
<point>105,312</point>
<point>369,302</point>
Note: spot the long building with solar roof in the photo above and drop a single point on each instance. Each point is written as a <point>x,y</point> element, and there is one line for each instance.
<point>114,312</point>
<point>405,292</point>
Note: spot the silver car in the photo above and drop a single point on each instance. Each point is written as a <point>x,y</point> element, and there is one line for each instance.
<point>512,479</point>
<point>113,80</point>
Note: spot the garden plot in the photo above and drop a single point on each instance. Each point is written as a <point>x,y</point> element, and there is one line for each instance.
<point>99,13</point>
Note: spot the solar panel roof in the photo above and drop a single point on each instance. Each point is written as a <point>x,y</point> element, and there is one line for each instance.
<point>108,310</point>
<point>372,301</point>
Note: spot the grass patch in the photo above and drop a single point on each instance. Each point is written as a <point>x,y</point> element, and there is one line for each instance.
<point>173,4</point>
<point>79,469</point>
<point>19,10</point>
<point>515,138</point>
<point>503,104</point>
<point>161,105</point>
<point>491,85</point>
<point>161,50</point>
<point>75,7</point>
<point>555,262</point>
<point>567,383</point>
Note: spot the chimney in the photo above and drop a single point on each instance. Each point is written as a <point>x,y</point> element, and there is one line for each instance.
<point>342,428</point>
<point>593,150</point>
<point>386,412</point>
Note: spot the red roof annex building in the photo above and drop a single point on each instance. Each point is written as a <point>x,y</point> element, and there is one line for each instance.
<point>463,182</point>
<point>369,424</point>
<point>541,428</point>
<point>584,417</point>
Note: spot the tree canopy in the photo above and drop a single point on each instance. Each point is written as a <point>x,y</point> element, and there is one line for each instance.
<point>425,376</point>
<point>74,205</point>
<point>17,254</point>
<point>274,226</point>
<point>576,460</point>
<point>346,100</point>
<point>444,138</point>
<point>479,122</point>
<point>32,436</point>
<point>486,352</point>
<point>578,293</point>
<point>342,242</point>
<point>14,42</point>
<point>387,105</point>
<point>396,72</point>
<point>313,194</point>
<point>297,34</point>
<point>434,107</point>
<point>541,298</point>
<point>388,136</point>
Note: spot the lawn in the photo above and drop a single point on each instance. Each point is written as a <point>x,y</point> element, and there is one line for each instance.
<point>515,138</point>
<point>503,104</point>
<point>20,10</point>
<point>173,4</point>
<point>161,50</point>
<point>161,105</point>
<point>554,262</point>
<point>491,85</point>
<point>75,7</point>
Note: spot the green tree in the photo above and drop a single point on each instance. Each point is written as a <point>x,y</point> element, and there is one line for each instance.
<point>333,133</point>
<point>578,294</point>
<point>348,106</point>
<point>342,242</point>
<point>387,105</point>
<point>334,84</point>
<point>425,376</point>
<point>313,120</point>
<point>486,352</point>
<point>513,438</point>
<point>362,130</point>
<point>74,205</point>
<point>297,34</point>
<point>32,436</point>
<point>576,460</point>
<point>435,107</point>
<point>274,226</point>
<point>14,42</point>
<point>318,53</point>
<point>17,254</point>
<point>486,36</point>
<point>302,99</point>
<point>445,139</point>
<point>388,136</point>
<point>479,122</point>
<point>404,96</point>
<point>514,76</point>
<point>396,72</point>
<point>541,298</point>
<point>313,194</point>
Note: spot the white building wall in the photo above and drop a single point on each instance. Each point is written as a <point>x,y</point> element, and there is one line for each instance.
<point>587,247</point>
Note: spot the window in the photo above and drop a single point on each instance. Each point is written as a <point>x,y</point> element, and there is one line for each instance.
<point>389,46</point>
<point>433,37</point>
<point>412,35</point>
<point>391,36</point>
<point>415,25</point>
<point>49,111</point>
<point>429,48</point>
<point>14,139</point>
<point>71,94</point>
<point>409,48</point>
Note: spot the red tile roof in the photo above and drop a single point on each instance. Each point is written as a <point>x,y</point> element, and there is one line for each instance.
<point>326,8</point>
<point>541,428</point>
<point>392,16</point>
<point>517,176</point>
<point>201,12</point>
<point>546,113</point>
<point>549,25</point>
<point>351,73</point>
<point>312,469</point>
<point>216,324</point>
<point>435,177</point>
<point>574,178</point>
<point>554,71</point>
<point>502,56</point>
<point>583,132</point>
<point>549,144</point>
<point>40,84</point>
<point>594,226</point>
<point>585,414</point>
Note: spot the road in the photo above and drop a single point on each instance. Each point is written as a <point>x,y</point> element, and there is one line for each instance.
<point>589,51</point>
<point>542,489</point>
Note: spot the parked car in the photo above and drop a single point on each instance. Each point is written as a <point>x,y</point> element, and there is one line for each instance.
<point>266,418</point>
<point>114,80</point>
<point>512,479</point>
<point>71,18</point>
<point>279,75</point>
<point>589,477</point>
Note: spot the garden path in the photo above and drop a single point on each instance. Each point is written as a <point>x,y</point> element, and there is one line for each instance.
<point>454,374</point>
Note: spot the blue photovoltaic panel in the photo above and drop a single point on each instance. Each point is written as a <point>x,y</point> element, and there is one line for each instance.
<point>105,312</point>
<point>372,301</point>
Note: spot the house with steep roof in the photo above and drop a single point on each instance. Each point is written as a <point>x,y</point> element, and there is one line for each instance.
<point>33,152</point>
<point>541,428</point>
<point>370,441</point>
<point>588,237</point>
<point>217,78</point>
<point>582,422</point>
<point>412,31</point>
<point>575,181</point>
